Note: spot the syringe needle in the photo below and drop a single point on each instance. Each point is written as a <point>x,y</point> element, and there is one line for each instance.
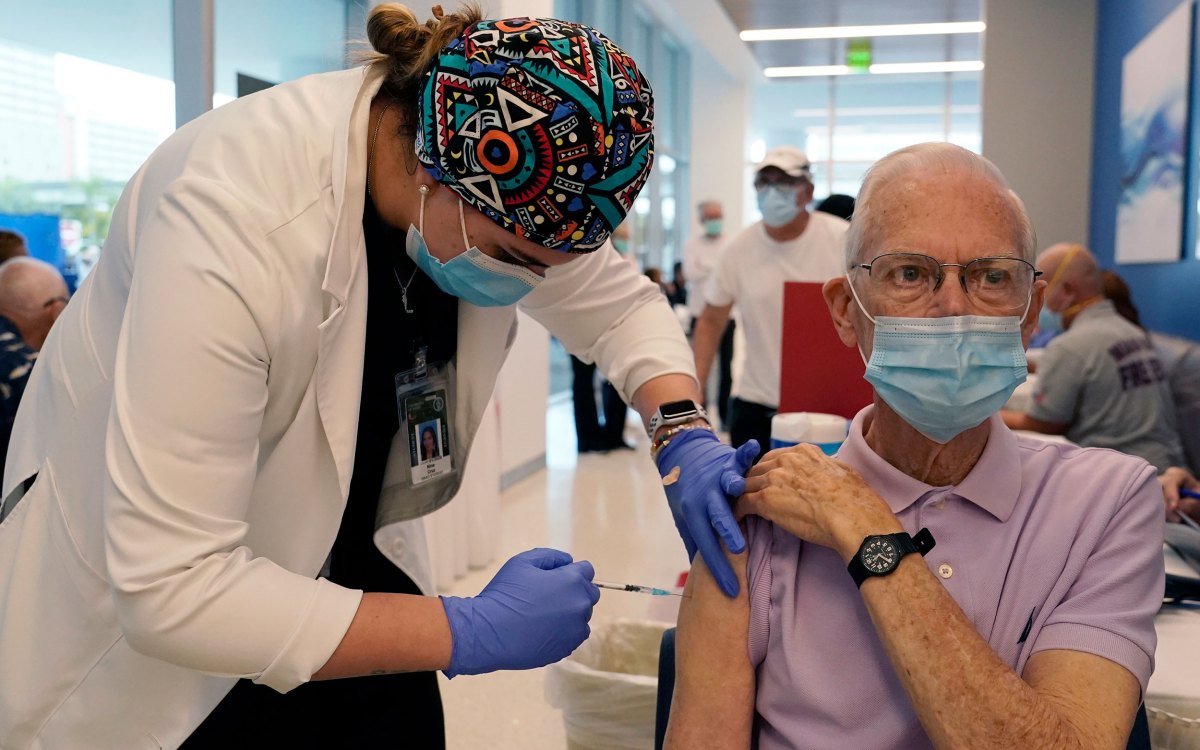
<point>635,588</point>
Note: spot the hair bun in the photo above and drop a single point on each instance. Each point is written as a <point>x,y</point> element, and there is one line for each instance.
<point>393,30</point>
<point>407,47</point>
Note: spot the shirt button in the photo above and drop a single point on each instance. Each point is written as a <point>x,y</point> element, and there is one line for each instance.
<point>945,571</point>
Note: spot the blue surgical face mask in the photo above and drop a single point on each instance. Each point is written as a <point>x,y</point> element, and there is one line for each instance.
<point>621,244</point>
<point>472,276</point>
<point>946,375</point>
<point>1050,321</point>
<point>778,204</point>
<point>712,227</point>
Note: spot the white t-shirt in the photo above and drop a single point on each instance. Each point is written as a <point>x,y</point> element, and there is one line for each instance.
<point>751,273</point>
<point>700,256</point>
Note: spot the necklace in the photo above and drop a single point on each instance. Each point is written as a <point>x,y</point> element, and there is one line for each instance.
<point>371,149</point>
<point>370,167</point>
<point>404,288</point>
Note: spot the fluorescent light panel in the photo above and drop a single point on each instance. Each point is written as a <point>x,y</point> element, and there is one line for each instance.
<point>958,66</point>
<point>854,32</point>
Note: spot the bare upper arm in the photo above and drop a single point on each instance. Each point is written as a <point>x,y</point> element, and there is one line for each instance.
<point>717,314</point>
<point>711,648</point>
<point>1098,697</point>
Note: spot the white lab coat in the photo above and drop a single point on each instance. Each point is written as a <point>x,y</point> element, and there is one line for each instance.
<point>192,425</point>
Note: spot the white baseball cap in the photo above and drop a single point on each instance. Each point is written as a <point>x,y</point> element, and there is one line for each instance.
<point>790,160</point>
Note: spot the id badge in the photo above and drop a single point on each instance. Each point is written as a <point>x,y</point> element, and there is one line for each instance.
<point>426,416</point>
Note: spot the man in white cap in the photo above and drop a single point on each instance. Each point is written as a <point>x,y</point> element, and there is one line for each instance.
<point>788,244</point>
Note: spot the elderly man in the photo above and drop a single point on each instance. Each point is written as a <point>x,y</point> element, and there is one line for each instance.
<point>1101,382</point>
<point>1026,617</point>
<point>789,244</point>
<point>32,295</point>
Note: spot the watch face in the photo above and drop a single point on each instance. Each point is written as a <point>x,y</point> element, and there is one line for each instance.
<point>879,555</point>
<point>677,409</point>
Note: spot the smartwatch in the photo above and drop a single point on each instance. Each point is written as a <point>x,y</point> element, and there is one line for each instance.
<point>879,554</point>
<point>675,412</point>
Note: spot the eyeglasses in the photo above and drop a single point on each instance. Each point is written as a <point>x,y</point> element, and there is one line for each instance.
<point>996,286</point>
<point>780,179</point>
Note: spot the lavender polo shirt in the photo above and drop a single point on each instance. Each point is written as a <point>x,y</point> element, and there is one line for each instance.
<point>1043,546</point>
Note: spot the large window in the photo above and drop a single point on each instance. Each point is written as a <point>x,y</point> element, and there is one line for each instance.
<point>658,231</point>
<point>88,90</point>
<point>88,94</point>
<point>845,123</point>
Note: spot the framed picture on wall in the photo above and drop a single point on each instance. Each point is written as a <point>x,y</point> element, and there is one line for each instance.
<point>1154,127</point>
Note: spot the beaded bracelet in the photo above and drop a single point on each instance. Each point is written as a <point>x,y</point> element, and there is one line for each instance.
<point>664,439</point>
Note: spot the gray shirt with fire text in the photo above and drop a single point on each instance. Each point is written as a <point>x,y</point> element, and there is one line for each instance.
<point>1103,378</point>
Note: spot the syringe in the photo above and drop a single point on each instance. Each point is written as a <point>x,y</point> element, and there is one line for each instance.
<point>652,591</point>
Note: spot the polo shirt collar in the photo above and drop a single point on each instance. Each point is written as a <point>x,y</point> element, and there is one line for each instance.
<point>994,484</point>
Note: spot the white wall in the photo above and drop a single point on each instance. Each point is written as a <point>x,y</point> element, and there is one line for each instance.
<point>521,395</point>
<point>1038,81</point>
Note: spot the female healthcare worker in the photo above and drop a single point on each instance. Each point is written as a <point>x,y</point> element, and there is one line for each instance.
<point>218,450</point>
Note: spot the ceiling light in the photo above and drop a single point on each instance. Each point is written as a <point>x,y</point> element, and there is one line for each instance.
<point>807,70</point>
<point>852,32</point>
<point>959,66</point>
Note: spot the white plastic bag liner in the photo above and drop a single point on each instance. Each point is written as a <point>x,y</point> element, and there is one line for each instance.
<point>608,688</point>
<point>1174,723</point>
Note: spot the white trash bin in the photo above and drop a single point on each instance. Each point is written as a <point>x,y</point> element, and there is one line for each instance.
<point>608,688</point>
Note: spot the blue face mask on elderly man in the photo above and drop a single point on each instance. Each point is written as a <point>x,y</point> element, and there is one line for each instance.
<point>946,375</point>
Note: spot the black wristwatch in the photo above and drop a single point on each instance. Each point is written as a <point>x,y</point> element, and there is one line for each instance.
<point>675,412</point>
<point>879,554</point>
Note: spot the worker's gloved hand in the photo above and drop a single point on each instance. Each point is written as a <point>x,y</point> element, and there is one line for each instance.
<point>710,475</point>
<point>533,613</point>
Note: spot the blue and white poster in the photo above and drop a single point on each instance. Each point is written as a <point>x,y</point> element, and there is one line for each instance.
<point>1154,118</point>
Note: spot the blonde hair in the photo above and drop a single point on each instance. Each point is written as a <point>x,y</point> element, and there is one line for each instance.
<point>407,48</point>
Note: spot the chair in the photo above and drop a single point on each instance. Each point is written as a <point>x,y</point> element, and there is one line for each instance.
<point>1139,736</point>
<point>666,685</point>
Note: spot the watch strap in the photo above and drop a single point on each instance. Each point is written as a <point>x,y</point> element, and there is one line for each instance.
<point>905,544</point>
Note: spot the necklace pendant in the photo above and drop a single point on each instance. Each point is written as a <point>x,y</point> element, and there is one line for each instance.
<point>404,300</point>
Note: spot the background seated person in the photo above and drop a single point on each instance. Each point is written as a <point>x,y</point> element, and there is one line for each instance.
<point>1173,480</point>
<point>1030,624</point>
<point>1100,382</point>
<point>1180,358</point>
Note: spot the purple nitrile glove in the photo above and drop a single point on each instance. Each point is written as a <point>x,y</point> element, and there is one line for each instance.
<point>710,475</point>
<point>534,612</point>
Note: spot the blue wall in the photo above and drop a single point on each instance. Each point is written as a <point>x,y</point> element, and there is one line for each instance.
<point>1166,294</point>
<point>41,234</point>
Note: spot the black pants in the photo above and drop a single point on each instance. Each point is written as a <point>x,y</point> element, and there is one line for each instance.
<point>750,420</point>
<point>725,372</point>
<point>381,711</point>
<point>589,433</point>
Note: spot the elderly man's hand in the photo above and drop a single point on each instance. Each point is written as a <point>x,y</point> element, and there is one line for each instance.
<point>1173,480</point>
<point>816,498</point>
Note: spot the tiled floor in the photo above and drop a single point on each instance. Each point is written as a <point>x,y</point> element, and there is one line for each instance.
<point>608,509</point>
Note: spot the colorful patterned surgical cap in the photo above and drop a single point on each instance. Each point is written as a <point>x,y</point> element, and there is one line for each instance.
<point>543,125</point>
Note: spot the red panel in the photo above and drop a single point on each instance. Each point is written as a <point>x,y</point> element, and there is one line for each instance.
<point>820,373</point>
